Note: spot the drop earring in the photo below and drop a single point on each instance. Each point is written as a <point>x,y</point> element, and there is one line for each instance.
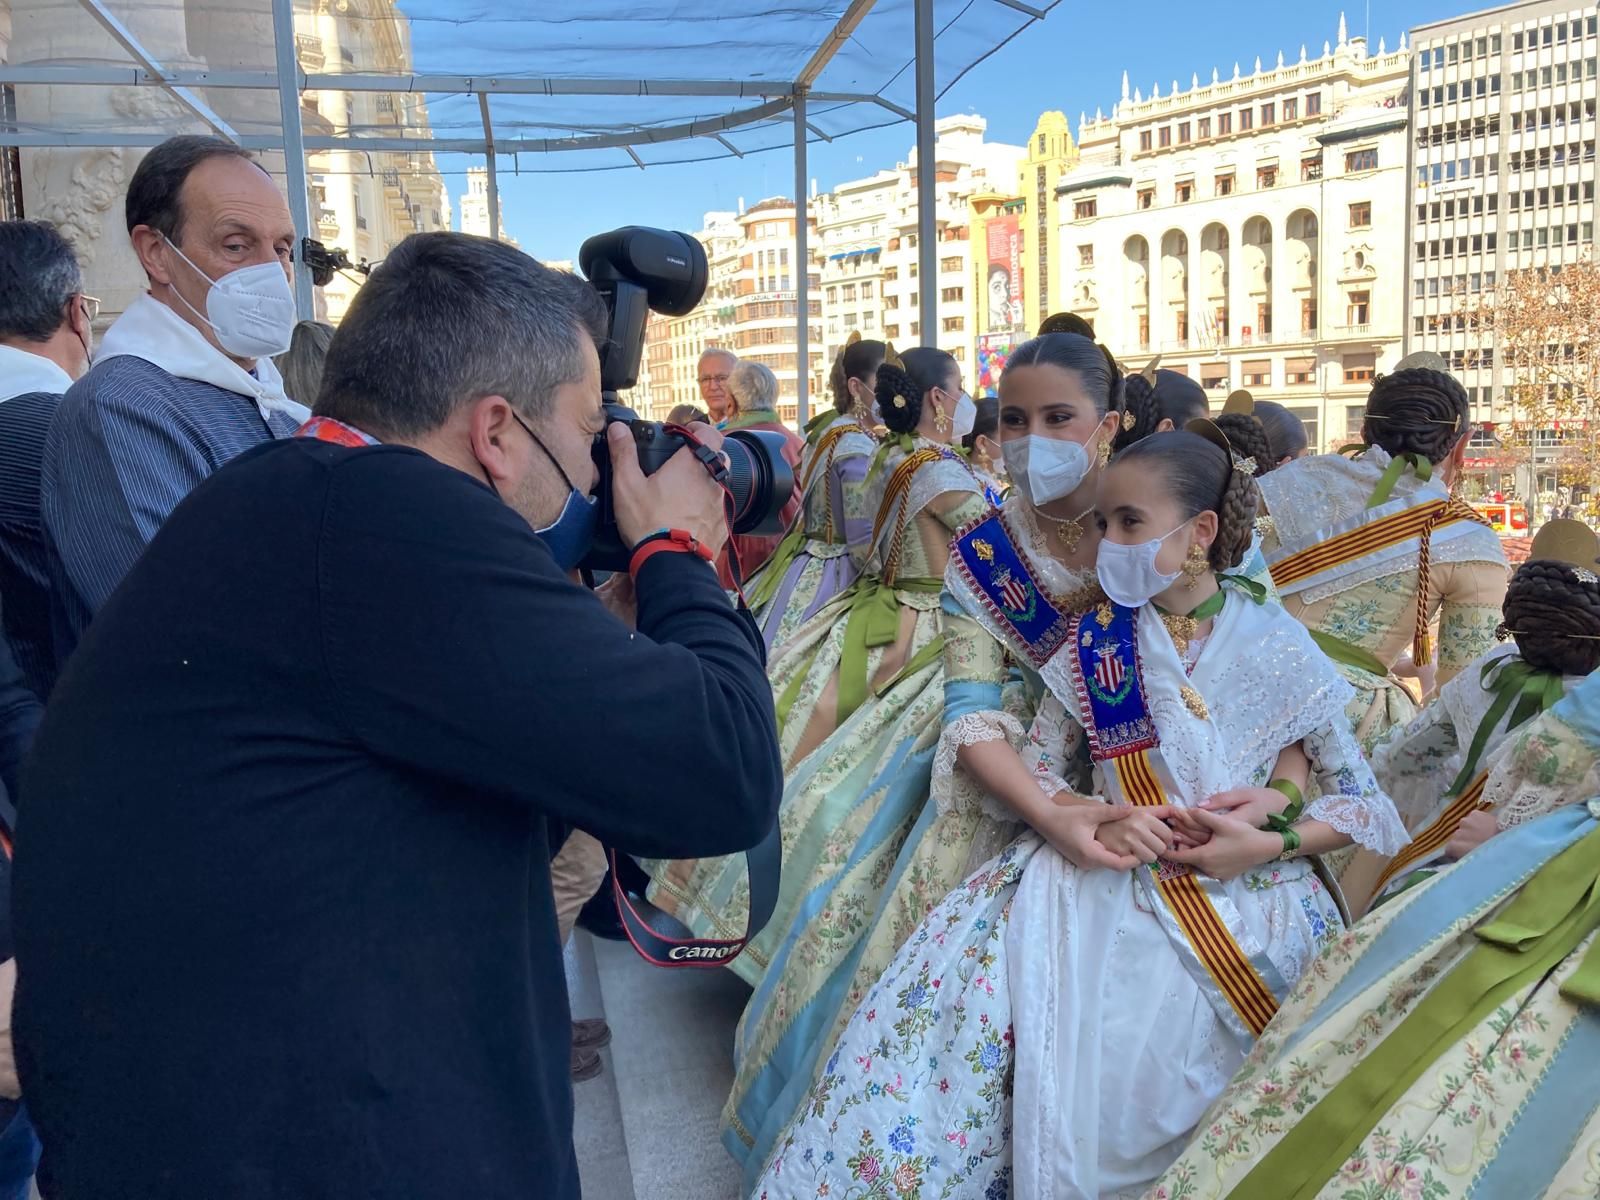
<point>941,419</point>
<point>1105,451</point>
<point>1195,566</point>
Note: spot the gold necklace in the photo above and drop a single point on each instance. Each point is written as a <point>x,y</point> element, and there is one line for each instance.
<point>1068,530</point>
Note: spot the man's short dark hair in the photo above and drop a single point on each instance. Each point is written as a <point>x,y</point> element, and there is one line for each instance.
<point>153,194</point>
<point>447,319</point>
<point>38,275</point>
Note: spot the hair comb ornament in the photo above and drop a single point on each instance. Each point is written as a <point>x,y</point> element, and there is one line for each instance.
<point>855,336</point>
<point>1240,401</point>
<point>1149,372</point>
<point>890,358</point>
<point>1207,428</point>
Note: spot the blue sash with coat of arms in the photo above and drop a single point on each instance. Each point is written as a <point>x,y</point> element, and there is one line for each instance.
<point>999,577</point>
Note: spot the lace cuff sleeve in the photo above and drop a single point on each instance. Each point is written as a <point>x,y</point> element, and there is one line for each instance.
<point>1350,798</point>
<point>1544,765</point>
<point>953,789</point>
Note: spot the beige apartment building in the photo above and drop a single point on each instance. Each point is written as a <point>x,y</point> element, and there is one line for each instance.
<point>1503,172</point>
<point>1250,230</point>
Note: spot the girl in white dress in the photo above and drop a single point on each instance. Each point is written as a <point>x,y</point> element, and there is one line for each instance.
<point>1057,1026</point>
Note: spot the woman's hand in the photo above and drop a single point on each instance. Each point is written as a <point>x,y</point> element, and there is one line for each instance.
<point>1139,834</point>
<point>1234,847</point>
<point>1476,828</point>
<point>1250,805</point>
<point>1070,829</point>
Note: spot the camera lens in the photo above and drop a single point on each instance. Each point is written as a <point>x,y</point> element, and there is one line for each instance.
<point>759,478</point>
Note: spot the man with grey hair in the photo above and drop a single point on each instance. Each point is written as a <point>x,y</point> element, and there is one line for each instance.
<point>44,345</point>
<point>183,380</point>
<point>286,915</point>
<point>716,365</point>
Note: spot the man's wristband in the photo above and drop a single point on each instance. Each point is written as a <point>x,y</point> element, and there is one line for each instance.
<point>667,541</point>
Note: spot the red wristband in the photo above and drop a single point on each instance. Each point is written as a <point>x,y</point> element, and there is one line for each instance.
<point>672,541</point>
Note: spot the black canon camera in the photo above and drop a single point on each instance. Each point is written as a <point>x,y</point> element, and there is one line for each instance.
<point>636,269</point>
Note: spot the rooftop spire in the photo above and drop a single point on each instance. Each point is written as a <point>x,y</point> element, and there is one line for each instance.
<point>1343,36</point>
<point>1124,85</point>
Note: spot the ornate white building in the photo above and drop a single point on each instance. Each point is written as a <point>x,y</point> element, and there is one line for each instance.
<point>474,207</point>
<point>1250,230</point>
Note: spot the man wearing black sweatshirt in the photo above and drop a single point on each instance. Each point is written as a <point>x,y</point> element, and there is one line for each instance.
<point>284,913</point>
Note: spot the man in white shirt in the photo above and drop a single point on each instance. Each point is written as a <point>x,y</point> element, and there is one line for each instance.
<point>44,346</point>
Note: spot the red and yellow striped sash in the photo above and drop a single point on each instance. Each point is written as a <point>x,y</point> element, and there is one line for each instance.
<point>822,453</point>
<point>899,484</point>
<point>1186,899</point>
<point>1369,538</point>
<point>1435,837</point>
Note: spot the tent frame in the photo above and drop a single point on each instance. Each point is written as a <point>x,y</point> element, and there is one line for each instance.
<point>289,81</point>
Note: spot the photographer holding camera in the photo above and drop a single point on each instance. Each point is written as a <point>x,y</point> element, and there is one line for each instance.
<point>285,924</point>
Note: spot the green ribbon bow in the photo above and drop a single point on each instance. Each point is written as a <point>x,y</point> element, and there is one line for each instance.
<point>874,621</point>
<point>1341,651</point>
<point>1395,469</point>
<point>772,573</point>
<point>1254,588</point>
<point>818,423</point>
<point>1513,682</point>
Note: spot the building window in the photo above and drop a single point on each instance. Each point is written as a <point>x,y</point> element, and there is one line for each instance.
<point>1291,110</point>
<point>1300,372</point>
<point>1358,312</point>
<point>1147,197</point>
<point>951,294</point>
<point>866,290</point>
<point>1213,375</point>
<point>1164,136</point>
<point>1183,133</point>
<point>1246,120</point>
<point>1267,177</point>
<point>948,265</point>
<point>1184,192</point>
<point>1144,139</point>
<point>1361,160</point>
<point>1084,210</point>
<point>848,292</point>
<point>1360,368</point>
<point>1223,185</point>
<point>1086,256</point>
<point>1205,128</point>
<point>1258,373</point>
<point>953,324</point>
<point>891,331</point>
<point>1181,325</point>
<point>1224,124</point>
<point>1311,168</point>
<point>1361,215</point>
<point>1268,116</point>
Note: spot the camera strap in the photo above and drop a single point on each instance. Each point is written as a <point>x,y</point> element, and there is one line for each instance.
<point>716,466</point>
<point>763,865</point>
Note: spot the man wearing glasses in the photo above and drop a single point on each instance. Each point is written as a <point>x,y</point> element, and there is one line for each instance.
<point>716,365</point>
<point>45,322</point>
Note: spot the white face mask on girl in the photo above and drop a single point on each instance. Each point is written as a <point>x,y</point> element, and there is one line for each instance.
<point>251,310</point>
<point>964,417</point>
<point>1045,469</point>
<point>1128,574</point>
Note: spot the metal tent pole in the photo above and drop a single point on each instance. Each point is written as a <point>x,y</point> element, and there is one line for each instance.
<point>927,170</point>
<point>489,156</point>
<point>294,147</point>
<point>802,265</point>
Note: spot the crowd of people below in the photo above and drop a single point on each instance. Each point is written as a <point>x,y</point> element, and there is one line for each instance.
<point>1166,810</point>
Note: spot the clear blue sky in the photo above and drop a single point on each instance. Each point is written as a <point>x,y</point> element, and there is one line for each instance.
<point>1073,61</point>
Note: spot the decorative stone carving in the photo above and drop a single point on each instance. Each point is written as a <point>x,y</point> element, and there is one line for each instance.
<point>99,180</point>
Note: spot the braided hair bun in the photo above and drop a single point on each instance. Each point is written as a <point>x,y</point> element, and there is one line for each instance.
<point>1416,411</point>
<point>1247,439</point>
<point>1236,521</point>
<point>1066,322</point>
<point>903,384</point>
<point>1555,615</point>
<point>1141,413</point>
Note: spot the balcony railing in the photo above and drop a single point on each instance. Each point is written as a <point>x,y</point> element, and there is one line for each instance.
<point>1352,331</point>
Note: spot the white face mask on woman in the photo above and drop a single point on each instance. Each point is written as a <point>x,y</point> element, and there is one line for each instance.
<point>1129,575</point>
<point>251,310</point>
<point>964,417</point>
<point>1045,469</point>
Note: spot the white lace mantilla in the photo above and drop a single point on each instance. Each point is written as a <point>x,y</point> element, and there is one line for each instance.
<point>1311,496</point>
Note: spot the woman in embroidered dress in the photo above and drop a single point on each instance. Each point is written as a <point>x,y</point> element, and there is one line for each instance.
<point>858,686</point>
<point>1286,432</point>
<point>1445,1047</point>
<point>1351,538</point>
<point>1059,1023</point>
<point>824,551</point>
<point>1248,443</point>
<point>1061,406</point>
<point>1431,767</point>
<point>983,450</point>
